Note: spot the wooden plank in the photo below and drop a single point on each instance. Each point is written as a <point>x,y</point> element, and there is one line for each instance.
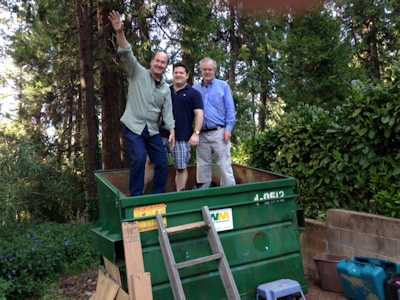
<point>113,271</point>
<point>133,253</point>
<point>186,227</point>
<point>132,248</point>
<point>198,261</point>
<point>141,283</point>
<point>121,295</point>
<point>106,288</point>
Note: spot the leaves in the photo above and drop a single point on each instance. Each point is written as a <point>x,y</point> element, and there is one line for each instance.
<point>34,186</point>
<point>315,67</point>
<point>346,158</point>
<point>32,255</point>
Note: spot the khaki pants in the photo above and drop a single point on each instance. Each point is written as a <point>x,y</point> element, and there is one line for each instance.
<point>212,142</point>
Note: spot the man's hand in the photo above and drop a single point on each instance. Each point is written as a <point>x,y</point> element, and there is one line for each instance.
<point>116,21</point>
<point>194,140</point>
<point>171,139</point>
<point>227,136</point>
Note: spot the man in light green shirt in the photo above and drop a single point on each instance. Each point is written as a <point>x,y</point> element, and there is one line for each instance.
<point>148,102</point>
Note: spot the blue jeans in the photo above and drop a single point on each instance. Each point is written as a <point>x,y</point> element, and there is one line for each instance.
<point>139,146</point>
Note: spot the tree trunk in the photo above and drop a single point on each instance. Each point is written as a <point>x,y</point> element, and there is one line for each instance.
<point>189,61</point>
<point>234,45</point>
<point>71,112</point>
<point>262,115</point>
<point>253,114</point>
<point>110,90</point>
<point>78,125</point>
<point>89,137</point>
<point>373,55</point>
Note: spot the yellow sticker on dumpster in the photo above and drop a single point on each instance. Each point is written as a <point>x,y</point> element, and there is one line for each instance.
<point>148,211</point>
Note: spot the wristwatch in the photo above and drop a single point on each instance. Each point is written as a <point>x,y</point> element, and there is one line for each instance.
<point>197,132</point>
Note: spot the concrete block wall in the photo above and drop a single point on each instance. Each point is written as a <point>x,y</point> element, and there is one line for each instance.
<point>360,234</point>
<point>314,241</point>
<point>348,233</point>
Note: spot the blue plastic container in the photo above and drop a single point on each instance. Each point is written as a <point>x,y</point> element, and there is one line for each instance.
<point>364,278</point>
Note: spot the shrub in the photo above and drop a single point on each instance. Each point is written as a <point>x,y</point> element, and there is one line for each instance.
<point>388,202</point>
<point>35,187</point>
<point>348,158</point>
<point>31,256</point>
<point>5,288</point>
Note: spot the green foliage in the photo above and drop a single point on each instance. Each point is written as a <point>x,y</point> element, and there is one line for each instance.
<point>374,32</point>
<point>388,202</point>
<point>34,186</point>
<point>5,288</point>
<point>32,256</point>
<point>315,67</point>
<point>348,158</point>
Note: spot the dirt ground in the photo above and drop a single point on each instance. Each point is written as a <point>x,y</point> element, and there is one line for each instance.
<point>82,286</point>
<point>315,293</point>
<point>79,287</point>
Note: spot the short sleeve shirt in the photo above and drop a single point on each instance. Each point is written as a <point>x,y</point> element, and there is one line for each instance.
<point>184,102</point>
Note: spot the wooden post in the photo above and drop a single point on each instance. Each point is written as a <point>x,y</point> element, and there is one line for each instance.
<point>106,289</point>
<point>139,282</point>
<point>112,270</point>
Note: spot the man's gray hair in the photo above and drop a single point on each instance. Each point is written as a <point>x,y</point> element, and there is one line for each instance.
<point>160,52</point>
<point>208,60</point>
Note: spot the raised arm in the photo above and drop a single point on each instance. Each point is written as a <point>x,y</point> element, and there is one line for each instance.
<point>118,25</point>
<point>129,61</point>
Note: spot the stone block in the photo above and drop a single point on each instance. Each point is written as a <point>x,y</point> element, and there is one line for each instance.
<point>358,240</point>
<point>345,237</point>
<point>366,253</point>
<point>313,244</point>
<point>340,250</point>
<point>376,244</point>
<point>333,235</point>
<point>364,222</point>
<point>339,218</point>
<point>315,228</point>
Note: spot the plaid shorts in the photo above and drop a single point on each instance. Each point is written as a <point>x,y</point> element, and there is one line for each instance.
<point>181,154</point>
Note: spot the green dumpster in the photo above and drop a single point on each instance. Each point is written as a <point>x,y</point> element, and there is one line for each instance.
<point>256,221</point>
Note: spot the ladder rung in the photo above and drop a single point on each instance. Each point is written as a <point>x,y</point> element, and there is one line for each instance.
<point>197,261</point>
<point>186,227</point>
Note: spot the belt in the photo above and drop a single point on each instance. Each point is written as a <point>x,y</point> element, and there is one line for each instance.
<point>211,129</point>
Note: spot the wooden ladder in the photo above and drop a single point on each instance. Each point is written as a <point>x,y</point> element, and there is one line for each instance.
<point>217,254</point>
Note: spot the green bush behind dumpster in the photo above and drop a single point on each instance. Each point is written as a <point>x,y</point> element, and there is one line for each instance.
<point>35,187</point>
<point>31,256</point>
<point>348,157</point>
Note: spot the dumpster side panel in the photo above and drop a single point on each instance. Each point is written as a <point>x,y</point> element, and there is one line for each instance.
<point>262,231</point>
<point>241,248</point>
<point>209,286</point>
<point>259,233</point>
<point>107,230</point>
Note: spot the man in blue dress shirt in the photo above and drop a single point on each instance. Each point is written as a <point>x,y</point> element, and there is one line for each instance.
<point>219,121</point>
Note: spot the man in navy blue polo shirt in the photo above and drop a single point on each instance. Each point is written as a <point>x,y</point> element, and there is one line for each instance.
<point>187,108</point>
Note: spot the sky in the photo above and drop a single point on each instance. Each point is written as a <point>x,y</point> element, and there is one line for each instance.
<point>8,92</point>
